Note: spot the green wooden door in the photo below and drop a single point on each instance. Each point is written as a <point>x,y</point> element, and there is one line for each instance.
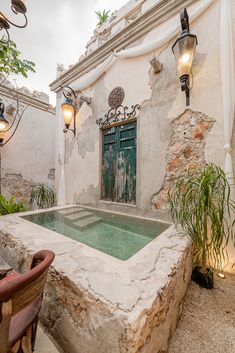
<point>119,164</point>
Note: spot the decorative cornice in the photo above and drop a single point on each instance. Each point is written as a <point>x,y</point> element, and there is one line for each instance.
<point>152,18</point>
<point>26,99</point>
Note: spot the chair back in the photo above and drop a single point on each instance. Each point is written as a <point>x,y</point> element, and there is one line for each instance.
<point>20,291</point>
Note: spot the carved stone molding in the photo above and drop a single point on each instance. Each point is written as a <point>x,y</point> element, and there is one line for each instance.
<point>157,14</point>
<point>116,97</point>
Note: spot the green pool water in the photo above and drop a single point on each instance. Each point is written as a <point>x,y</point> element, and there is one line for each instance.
<point>116,235</point>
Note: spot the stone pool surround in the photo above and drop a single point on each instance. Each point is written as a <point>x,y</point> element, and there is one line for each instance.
<point>96,303</point>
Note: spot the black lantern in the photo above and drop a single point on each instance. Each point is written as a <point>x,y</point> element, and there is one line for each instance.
<point>3,121</point>
<point>184,50</point>
<point>69,109</point>
<point>71,105</point>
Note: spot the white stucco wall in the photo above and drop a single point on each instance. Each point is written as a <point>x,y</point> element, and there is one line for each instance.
<point>29,157</point>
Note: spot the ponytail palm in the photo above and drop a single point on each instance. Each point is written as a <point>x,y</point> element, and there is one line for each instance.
<point>42,196</point>
<point>200,202</point>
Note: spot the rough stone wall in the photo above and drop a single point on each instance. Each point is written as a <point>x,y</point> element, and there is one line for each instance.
<point>14,184</point>
<point>186,149</point>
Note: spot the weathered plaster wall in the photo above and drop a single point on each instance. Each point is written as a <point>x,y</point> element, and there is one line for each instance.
<point>29,157</point>
<point>161,103</point>
<point>164,147</point>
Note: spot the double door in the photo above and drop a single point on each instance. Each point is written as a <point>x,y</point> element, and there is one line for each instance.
<point>119,163</point>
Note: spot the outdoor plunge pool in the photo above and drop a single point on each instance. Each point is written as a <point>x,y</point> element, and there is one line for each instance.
<point>116,235</point>
<point>116,283</point>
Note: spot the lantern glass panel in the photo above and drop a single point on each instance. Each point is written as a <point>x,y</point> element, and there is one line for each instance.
<point>68,113</point>
<point>3,123</point>
<point>184,50</point>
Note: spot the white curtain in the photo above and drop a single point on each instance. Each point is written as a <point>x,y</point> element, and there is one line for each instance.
<point>165,36</point>
<point>228,86</point>
<point>61,142</point>
<point>89,78</point>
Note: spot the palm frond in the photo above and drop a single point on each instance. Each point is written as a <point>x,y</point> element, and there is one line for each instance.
<point>200,202</point>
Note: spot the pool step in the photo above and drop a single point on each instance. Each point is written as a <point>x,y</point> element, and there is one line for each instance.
<point>67,211</point>
<point>78,215</point>
<point>87,222</point>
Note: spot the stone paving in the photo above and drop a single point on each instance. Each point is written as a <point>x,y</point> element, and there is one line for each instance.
<point>207,323</point>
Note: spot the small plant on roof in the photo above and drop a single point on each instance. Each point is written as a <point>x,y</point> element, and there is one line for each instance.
<point>200,203</point>
<point>102,17</point>
<point>42,196</point>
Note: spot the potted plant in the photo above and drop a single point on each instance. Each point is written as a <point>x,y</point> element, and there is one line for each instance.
<point>42,196</point>
<point>200,203</point>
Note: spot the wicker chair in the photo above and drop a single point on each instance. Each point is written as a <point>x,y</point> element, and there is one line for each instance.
<point>20,303</point>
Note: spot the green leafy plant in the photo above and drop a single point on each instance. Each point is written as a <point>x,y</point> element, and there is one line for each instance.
<point>200,202</point>
<point>11,63</point>
<point>102,17</point>
<point>10,206</point>
<point>42,196</point>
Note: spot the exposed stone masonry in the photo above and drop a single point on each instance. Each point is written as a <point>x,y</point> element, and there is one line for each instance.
<point>186,149</point>
<point>13,184</point>
<point>51,174</point>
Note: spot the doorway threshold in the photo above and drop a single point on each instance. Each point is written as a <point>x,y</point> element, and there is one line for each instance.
<point>121,204</point>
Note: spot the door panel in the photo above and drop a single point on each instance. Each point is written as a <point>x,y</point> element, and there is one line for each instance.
<point>109,152</point>
<point>119,164</point>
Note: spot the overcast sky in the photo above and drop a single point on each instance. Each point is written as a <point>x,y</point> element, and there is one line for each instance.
<point>57,32</point>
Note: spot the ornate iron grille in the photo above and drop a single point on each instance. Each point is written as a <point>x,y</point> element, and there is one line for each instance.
<point>118,114</point>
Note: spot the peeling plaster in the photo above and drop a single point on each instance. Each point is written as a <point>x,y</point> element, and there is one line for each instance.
<point>155,129</point>
<point>69,146</point>
<point>85,139</point>
<point>99,103</point>
<point>87,196</point>
<point>13,184</point>
<point>51,174</point>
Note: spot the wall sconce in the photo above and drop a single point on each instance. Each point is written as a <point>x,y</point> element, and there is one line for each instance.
<point>71,105</point>
<point>3,121</point>
<point>184,50</point>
